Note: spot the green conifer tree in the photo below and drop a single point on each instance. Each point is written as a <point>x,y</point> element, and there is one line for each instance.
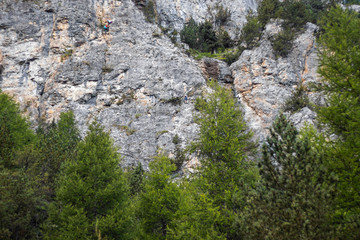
<point>159,200</point>
<point>55,143</point>
<point>190,34</point>
<point>92,191</point>
<point>339,66</point>
<point>18,198</point>
<point>226,174</point>
<point>294,199</point>
<point>15,131</point>
<point>136,179</point>
<point>207,37</point>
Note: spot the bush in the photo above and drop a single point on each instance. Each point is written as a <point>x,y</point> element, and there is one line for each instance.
<point>295,14</point>
<point>179,157</point>
<point>267,10</point>
<point>297,101</point>
<point>222,15</point>
<point>190,33</point>
<point>150,12</point>
<point>251,32</point>
<point>315,9</point>
<point>66,54</point>
<point>232,57</point>
<point>225,40</point>
<point>282,43</point>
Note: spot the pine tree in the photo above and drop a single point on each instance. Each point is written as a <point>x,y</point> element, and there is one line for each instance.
<point>136,179</point>
<point>294,199</point>
<point>339,66</point>
<point>252,30</point>
<point>18,197</point>
<point>225,174</point>
<point>190,34</point>
<point>207,37</point>
<point>267,9</point>
<point>91,191</point>
<point>197,217</point>
<point>15,131</point>
<point>55,143</point>
<point>159,200</point>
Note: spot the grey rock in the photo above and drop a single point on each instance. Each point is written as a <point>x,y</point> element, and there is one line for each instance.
<point>56,58</point>
<point>174,14</point>
<point>263,83</point>
<point>303,117</point>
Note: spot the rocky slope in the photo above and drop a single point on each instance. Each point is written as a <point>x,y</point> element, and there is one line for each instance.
<point>263,83</point>
<point>174,14</point>
<point>55,56</point>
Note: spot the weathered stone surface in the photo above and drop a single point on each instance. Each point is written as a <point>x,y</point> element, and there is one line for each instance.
<point>263,83</point>
<point>56,57</point>
<point>174,14</point>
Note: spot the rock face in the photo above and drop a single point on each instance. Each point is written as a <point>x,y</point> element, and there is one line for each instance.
<point>55,56</point>
<point>174,14</point>
<point>263,83</point>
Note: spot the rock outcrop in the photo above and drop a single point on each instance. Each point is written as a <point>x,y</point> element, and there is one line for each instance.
<point>131,79</point>
<point>55,56</point>
<point>173,14</point>
<point>263,82</point>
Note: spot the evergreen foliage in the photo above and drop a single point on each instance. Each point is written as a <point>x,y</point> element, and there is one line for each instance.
<point>297,101</point>
<point>294,198</point>
<point>339,54</point>
<point>267,9</point>
<point>135,179</point>
<point>92,189</point>
<point>15,131</point>
<point>179,157</point>
<point>282,43</point>
<point>189,34</point>
<point>294,13</point>
<point>18,202</point>
<point>223,143</point>
<point>149,11</point>
<point>200,37</point>
<point>18,198</point>
<point>224,39</point>
<point>55,143</point>
<point>159,200</point>
<point>207,37</point>
<point>252,30</point>
<point>198,217</point>
<point>222,15</point>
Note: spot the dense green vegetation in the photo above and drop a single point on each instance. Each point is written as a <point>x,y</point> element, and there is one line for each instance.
<point>293,14</point>
<point>206,40</point>
<point>303,184</point>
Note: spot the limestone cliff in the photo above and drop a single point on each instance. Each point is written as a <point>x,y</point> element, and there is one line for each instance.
<point>132,79</point>
<point>263,82</point>
<point>55,56</point>
<point>231,15</point>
